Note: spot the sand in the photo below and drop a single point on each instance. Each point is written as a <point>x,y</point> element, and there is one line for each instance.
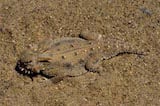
<point>126,80</point>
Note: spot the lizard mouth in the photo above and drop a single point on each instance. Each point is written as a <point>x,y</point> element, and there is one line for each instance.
<point>21,68</point>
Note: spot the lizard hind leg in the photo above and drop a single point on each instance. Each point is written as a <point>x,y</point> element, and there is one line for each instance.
<point>90,36</point>
<point>93,64</point>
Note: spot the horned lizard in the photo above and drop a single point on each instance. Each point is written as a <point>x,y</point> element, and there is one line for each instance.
<point>65,56</point>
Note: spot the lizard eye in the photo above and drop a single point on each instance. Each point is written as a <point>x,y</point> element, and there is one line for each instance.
<point>44,61</point>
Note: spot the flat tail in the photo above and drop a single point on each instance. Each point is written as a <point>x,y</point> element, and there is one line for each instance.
<point>120,53</point>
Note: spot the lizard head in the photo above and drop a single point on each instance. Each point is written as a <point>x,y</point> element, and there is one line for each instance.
<point>26,65</point>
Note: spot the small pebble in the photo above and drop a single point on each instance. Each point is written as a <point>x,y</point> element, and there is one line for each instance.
<point>146,11</point>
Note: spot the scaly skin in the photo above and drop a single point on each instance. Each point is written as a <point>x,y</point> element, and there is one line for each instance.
<point>64,57</point>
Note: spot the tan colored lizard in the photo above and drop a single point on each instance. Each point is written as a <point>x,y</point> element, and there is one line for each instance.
<point>64,57</point>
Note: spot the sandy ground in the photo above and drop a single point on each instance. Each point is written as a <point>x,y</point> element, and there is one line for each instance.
<point>125,81</point>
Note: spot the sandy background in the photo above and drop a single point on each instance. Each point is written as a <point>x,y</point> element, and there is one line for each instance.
<point>125,81</point>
